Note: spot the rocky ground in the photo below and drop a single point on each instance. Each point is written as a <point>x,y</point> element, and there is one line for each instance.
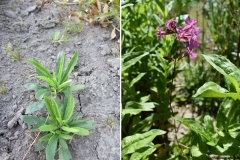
<point>29,29</point>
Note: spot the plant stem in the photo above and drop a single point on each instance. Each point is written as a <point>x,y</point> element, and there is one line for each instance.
<point>170,103</point>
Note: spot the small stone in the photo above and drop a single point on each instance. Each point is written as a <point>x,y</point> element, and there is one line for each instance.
<point>31,8</point>
<point>32,98</point>
<point>14,96</point>
<point>14,107</point>
<point>68,49</point>
<point>13,121</point>
<point>10,14</point>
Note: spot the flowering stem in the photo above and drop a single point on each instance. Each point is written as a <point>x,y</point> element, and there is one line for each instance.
<point>170,102</point>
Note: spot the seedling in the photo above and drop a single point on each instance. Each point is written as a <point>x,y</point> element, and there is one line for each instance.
<point>13,52</point>
<point>2,89</point>
<point>110,122</point>
<point>57,81</point>
<point>72,26</point>
<point>58,39</point>
<point>60,127</point>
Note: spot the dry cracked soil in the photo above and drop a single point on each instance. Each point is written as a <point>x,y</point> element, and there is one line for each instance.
<point>29,29</point>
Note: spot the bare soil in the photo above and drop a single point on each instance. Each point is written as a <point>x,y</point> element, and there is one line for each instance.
<point>29,29</point>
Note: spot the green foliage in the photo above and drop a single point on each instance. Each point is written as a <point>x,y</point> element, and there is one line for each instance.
<point>58,81</point>
<point>2,89</point>
<point>224,26</point>
<point>146,76</point>
<point>223,139</point>
<point>12,51</point>
<point>60,127</point>
<point>56,38</point>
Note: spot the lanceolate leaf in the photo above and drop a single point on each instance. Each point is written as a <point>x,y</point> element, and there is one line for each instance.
<point>71,129</point>
<point>77,87</point>
<point>133,61</point>
<point>36,87</point>
<point>51,148</point>
<point>35,107</point>
<point>60,71</point>
<point>83,124</point>
<point>64,84</point>
<point>39,95</point>
<point>46,137</point>
<point>194,125</point>
<point>70,66</point>
<point>131,143</point>
<point>82,132</point>
<point>144,152</point>
<point>43,70</point>
<point>59,57</point>
<point>49,107</point>
<point>63,143</point>
<point>135,80</point>
<point>46,128</point>
<point>69,110</point>
<point>50,81</point>
<point>212,90</point>
<point>223,65</point>
<point>30,120</point>
<point>64,154</point>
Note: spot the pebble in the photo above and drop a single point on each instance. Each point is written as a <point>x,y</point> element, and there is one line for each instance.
<point>10,14</point>
<point>32,98</point>
<point>13,121</point>
<point>14,96</point>
<point>14,107</point>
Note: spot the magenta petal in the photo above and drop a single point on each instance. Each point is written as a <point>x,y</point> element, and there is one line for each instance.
<point>193,55</point>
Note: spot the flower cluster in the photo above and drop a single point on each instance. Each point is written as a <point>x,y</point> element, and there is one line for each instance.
<point>186,34</point>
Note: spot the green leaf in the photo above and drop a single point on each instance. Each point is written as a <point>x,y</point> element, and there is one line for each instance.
<point>77,87</point>
<point>83,124</point>
<point>65,136</point>
<point>135,108</point>
<point>135,80</point>
<point>51,148</point>
<point>82,132</point>
<point>131,143</point>
<point>50,81</point>
<point>46,137</point>
<point>209,124</point>
<point>56,111</point>
<point>59,57</point>
<point>70,66</point>
<point>56,36</point>
<point>194,125</point>
<point>36,87</point>
<point>60,71</point>
<point>212,90</point>
<point>234,127</point>
<point>133,61</point>
<point>42,69</point>
<point>64,84</point>
<point>40,145</point>
<point>46,128</point>
<point>39,95</point>
<point>49,107</point>
<point>195,151</point>
<point>223,65</point>
<point>63,143</point>
<point>144,152</point>
<point>36,106</point>
<point>64,154</point>
<point>69,109</point>
<point>70,129</point>
<point>30,120</point>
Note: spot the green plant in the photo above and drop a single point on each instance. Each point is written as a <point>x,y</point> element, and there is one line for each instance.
<point>2,89</point>
<point>58,81</point>
<point>222,139</point>
<point>110,122</point>
<point>60,127</point>
<point>12,51</point>
<point>72,26</point>
<point>58,39</point>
